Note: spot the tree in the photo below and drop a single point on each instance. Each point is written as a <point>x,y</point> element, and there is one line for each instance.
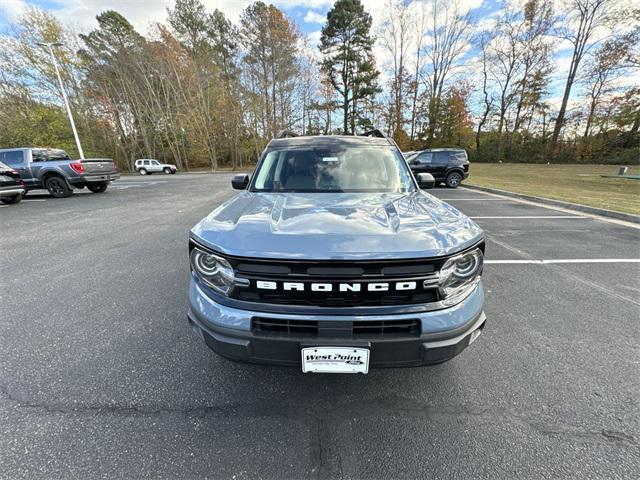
<point>395,33</point>
<point>579,25</point>
<point>450,33</point>
<point>607,64</point>
<point>455,121</point>
<point>487,99</point>
<point>419,26</point>
<point>271,65</point>
<point>190,23</point>
<point>348,62</point>
<point>537,19</point>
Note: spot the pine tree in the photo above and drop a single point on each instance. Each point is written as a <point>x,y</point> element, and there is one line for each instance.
<point>348,60</point>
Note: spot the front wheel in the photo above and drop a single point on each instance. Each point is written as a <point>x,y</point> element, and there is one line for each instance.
<point>13,199</point>
<point>143,171</point>
<point>167,171</point>
<point>453,180</point>
<point>57,187</point>
<point>97,187</point>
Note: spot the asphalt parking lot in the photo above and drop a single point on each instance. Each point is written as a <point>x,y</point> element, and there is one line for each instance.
<point>101,377</point>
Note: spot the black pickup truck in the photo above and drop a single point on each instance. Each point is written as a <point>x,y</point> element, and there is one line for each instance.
<point>54,170</point>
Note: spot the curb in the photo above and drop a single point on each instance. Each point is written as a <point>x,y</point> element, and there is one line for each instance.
<point>628,217</point>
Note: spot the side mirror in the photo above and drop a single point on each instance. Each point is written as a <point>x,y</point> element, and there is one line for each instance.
<point>425,181</point>
<point>240,182</point>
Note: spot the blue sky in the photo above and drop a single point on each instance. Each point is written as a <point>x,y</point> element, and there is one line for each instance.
<point>304,12</point>
<point>308,14</point>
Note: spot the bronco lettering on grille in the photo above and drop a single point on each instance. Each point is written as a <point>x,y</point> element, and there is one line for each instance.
<point>336,287</point>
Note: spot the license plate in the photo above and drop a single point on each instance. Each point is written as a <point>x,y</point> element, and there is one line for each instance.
<point>335,360</point>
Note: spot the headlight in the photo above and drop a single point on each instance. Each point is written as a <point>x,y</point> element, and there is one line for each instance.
<point>213,270</point>
<point>460,273</point>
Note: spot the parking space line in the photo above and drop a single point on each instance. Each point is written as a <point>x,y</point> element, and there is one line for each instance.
<point>474,199</point>
<point>557,209</point>
<point>532,216</point>
<point>565,260</point>
<point>34,200</point>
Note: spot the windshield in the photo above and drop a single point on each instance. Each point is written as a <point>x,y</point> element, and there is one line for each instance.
<point>343,168</point>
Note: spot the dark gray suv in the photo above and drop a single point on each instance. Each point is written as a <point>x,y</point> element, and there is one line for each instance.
<point>447,165</point>
<point>333,259</point>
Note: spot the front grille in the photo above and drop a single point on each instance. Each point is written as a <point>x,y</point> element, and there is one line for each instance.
<point>422,273</point>
<point>386,328</point>
<point>359,330</point>
<point>363,299</point>
<point>409,281</point>
<point>302,328</point>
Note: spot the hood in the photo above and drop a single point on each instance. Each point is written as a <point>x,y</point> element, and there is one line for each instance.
<point>324,226</point>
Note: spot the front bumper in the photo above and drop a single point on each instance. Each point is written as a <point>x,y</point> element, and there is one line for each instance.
<point>445,333</point>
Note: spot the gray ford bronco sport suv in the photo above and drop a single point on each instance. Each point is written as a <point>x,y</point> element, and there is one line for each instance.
<point>333,259</point>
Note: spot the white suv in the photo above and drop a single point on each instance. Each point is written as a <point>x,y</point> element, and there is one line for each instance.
<point>147,166</point>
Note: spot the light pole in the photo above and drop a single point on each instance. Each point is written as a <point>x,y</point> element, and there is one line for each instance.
<point>64,95</point>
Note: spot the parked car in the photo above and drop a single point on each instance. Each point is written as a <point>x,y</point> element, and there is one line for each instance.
<point>147,166</point>
<point>447,165</point>
<point>332,258</point>
<point>11,185</point>
<point>54,170</point>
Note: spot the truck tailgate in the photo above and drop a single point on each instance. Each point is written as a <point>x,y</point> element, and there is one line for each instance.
<point>97,166</point>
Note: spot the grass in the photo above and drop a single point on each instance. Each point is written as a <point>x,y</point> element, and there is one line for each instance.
<point>581,184</point>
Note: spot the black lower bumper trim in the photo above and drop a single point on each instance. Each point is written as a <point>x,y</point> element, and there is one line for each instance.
<point>248,347</point>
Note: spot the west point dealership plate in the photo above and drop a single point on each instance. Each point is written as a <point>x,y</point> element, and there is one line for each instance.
<point>335,360</point>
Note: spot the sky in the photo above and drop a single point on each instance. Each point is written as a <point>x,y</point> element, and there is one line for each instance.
<point>308,14</point>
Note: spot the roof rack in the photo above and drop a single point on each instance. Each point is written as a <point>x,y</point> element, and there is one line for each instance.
<point>374,133</point>
<point>286,134</point>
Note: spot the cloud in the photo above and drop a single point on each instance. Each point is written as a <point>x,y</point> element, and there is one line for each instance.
<point>314,38</point>
<point>314,17</point>
<point>141,13</point>
<point>12,9</point>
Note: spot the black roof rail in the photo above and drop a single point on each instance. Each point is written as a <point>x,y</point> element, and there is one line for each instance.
<point>374,133</point>
<point>286,134</point>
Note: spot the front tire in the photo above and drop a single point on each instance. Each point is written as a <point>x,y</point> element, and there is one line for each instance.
<point>167,171</point>
<point>11,200</point>
<point>57,187</point>
<point>453,180</point>
<point>143,171</point>
<point>98,187</point>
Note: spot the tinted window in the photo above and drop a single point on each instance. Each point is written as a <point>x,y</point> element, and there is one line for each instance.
<point>441,158</point>
<point>12,159</point>
<point>425,157</point>
<point>340,168</point>
<point>46,155</point>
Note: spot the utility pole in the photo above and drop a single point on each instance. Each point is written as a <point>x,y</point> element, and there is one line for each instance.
<point>64,95</point>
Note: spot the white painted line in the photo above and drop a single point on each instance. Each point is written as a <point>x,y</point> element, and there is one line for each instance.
<point>34,200</point>
<point>532,216</point>
<point>474,199</point>
<point>567,260</point>
<point>558,209</point>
